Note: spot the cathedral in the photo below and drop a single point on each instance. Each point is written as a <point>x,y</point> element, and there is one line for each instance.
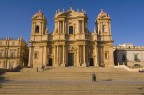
<point>71,43</point>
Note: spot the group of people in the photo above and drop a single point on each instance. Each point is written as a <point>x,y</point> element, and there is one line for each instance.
<point>42,67</point>
<point>142,70</point>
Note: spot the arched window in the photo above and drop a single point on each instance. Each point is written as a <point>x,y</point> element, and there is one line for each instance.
<point>106,55</point>
<point>103,28</point>
<point>70,29</point>
<point>37,29</point>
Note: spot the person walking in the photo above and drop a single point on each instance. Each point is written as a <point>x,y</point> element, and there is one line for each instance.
<point>93,77</point>
<point>37,69</point>
<point>43,67</point>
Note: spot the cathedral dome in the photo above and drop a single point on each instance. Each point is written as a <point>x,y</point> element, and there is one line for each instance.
<point>103,14</point>
<point>39,15</point>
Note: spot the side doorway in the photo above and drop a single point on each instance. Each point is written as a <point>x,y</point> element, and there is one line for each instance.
<point>50,62</point>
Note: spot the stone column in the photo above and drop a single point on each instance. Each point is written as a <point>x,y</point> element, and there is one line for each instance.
<point>63,54</point>
<point>42,56</point>
<point>54,56</point>
<point>80,55</point>
<point>18,53</point>
<point>45,55</point>
<point>63,27</point>
<point>78,64</point>
<point>30,57</point>
<point>33,28</point>
<point>99,28</point>
<point>58,27</point>
<point>96,63</point>
<point>102,56</point>
<point>57,56</point>
<point>82,26</point>
<point>87,57</point>
<point>7,65</point>
<point>33,38</point>
<point>84,62</point>
<point>78,25</point>
<point>42,28</point>
<point>63,63</point>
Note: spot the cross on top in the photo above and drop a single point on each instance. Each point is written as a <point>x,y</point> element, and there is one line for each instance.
<point>71,2</point>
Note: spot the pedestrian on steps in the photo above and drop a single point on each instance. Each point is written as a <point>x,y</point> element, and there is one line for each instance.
<point>93,77</point>
<point>43,67</point>
<point>37,69</point>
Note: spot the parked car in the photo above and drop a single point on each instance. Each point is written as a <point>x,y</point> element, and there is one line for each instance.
<point>137,65</point>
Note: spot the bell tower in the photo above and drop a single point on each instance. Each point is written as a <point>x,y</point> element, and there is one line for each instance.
<point>38,41</point>
<point>105,42</point>
<point>39,31</point>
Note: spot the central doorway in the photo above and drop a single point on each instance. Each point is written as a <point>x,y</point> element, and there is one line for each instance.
<point>91,62</point>
<point>70,59</point>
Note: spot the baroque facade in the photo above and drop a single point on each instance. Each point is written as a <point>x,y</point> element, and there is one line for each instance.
<point>13,53</point>
<point>129,55</point>
<point>71,43</point>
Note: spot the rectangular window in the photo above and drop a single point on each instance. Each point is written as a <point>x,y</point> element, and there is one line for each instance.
<point>80,26</point>
<point>124,57</point>
<point>136,58</point>
<point>70,29</point>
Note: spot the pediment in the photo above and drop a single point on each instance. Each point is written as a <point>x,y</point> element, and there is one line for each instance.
<point>69,14</point>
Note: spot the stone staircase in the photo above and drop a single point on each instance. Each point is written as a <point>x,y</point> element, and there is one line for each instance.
<point>72,81</point>
<point>77,69</point>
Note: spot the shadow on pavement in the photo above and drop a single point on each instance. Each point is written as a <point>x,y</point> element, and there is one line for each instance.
<point>108,80</point>
<point>2,78</point>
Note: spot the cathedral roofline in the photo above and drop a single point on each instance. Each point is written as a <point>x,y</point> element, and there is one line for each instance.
<point>39,15</point>
<point>71,12</point>
<point>103,15</point>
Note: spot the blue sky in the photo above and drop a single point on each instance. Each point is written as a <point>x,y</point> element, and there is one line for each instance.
<point>127,17</point>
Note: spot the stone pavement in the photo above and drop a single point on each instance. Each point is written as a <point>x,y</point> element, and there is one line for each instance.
<point>71,82</point>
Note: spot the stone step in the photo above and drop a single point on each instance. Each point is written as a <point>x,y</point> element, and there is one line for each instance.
<point>70,76</point>
<point>71,92</point>
<point>67,82</point>
<point>73,87</point>
<point>76,69</point>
